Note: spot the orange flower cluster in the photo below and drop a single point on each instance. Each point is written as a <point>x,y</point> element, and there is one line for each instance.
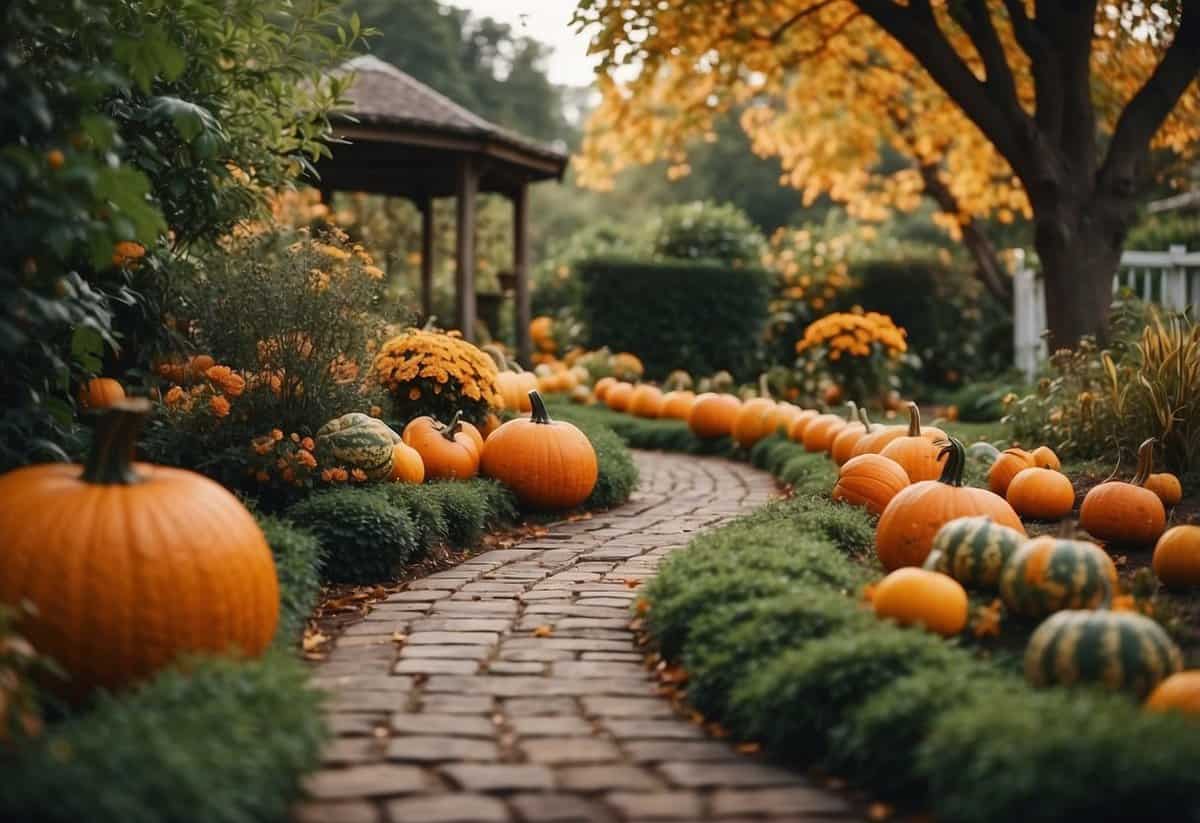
<point>210,390</point>
<point>279,460</point>
<point>419,363</point>
<point>127,253</point>
<point>854,334</point>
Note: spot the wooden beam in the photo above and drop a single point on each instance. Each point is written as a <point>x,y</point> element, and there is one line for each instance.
<point>520,202</point>
<point>464,269</point>
<point>427,233</point>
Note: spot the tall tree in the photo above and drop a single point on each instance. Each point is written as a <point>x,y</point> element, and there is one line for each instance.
<point>1049,108</point>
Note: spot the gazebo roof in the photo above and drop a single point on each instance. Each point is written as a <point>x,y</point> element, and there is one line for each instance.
<point>407,140</point>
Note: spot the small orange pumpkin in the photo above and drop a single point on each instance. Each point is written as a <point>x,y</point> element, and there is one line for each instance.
<point>548,464</point>
<point>619,396</point>
<point>490,424</point>
<point>646,401</point>
<point>750,424</point>
<point>602,386</point>
<point>820,432</point>
<point>907,526</point>
<point>1180,692</point>
<point>780,418</point>
<point>1126,514</point>
<point>447,451</point>
<point>1177,557</point>
<point>924,598</point>
<point>1041,494</point>
<point>871,481</point>
<point>677,405</point>
<point>712,415</point>
<point>1167,487</point>
<point>917,454</point>
<point>874,441</point>
<point>100,393</point>
<point>1006,467</point>
<point>407,465</point>
<point>1045,458</point>
<point>843,445</point>
<point>797,426</point>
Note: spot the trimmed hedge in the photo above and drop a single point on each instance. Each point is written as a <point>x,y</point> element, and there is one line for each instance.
<point>363,538</point>
<point>223,742</point>
<point>677,314</point>
<point>297,562</point>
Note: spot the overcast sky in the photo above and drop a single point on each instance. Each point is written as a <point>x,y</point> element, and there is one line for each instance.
<point>549,22</point>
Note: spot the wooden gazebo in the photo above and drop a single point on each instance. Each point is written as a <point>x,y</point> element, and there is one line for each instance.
<point>406,140</point>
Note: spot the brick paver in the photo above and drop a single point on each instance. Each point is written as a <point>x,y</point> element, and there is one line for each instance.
<point>510,687</point>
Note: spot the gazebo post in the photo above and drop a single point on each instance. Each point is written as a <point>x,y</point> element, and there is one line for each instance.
<point>520,203</point>
<point>468,185</point>
<point>426,207</point>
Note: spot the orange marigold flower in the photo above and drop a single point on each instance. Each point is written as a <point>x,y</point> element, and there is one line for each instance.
<point>276,434</point>
<point>227,380</point>
<point>359,475</point>
<point>294,437</point>
<point>340,475</point>
<point>414,394</point>
<point>327,475</point>
<point>127,252</point>
<point>261,476</point>
<point>174,396</point>
<point>219,405</point>
<point>307,443</point>
<point>305,458</point>
<point>288,475</point>
<point>376,411</point>
<point>55,159</point>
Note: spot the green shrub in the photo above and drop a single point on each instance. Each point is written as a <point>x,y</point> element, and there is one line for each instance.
<point>849,528</point>
<point>1055,755</point>
<point>676,315</point>
<point>617,476</point>
<point>793,701</point>
<point>226,742</point>
<point>704,230</point>
<point>424,506</point>
<point>297,563</point>
<point>363,538</point>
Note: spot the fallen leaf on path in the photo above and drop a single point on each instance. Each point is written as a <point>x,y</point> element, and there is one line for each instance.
<point>543,631</point>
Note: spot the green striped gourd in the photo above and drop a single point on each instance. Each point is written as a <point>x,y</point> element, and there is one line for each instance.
<point>973,550</point>
<point>1120,650</point>
<point>358,441</point>
<point>1048,574</point>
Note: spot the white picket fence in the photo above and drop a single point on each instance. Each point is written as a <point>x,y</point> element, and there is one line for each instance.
<point>1170,278</point>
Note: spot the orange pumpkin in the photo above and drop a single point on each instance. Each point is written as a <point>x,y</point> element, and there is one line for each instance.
<point>100,393</point>
<point>407,465</point>
<point>780,418</point>
<point>1041,494</point>
<point>646,401</point>
<point>475,434</point>
<point>513,387</point>
<point>924,598</point>
<point>619,396</point>
<point>548,464</point>
<point>874,441</point>
<point>751,424</point>
<point>1177,557</point>
<point>1167,487</point>
<point>1045,458</point>
<point>915,451</point>
<point>677,405</point>
<point>447,451</point>
<point>843,445</point>
<point>152,563</point>
<point>1180,692</point>
<point>871,481</point>
<point>1126,514</point>
<point>822,429</point>
<point>1006,467</point>
<point>907,526</point>
<point>490,424</point>
<point>712,415</point>
<point>800,423</point>
<point>602,386</point>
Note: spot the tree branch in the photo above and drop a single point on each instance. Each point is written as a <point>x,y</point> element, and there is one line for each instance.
<point>778,33</point>
<point>976,20</point>
<point>1070,26</point>
<point>1047,79</point>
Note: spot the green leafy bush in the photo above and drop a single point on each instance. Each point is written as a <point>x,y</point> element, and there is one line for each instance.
<point>1158,232</point>
<point>617,476</point>
<point>808,473</point>
<point>700,317</point>
<point>363,538</point>
<point>704,230</point>
<point>424,506</point>
<point>297,563</point>
<point>224,742</point>
<point>469,508</point>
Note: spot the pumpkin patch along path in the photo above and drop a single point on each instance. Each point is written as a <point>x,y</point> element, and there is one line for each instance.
<point>511,687</point>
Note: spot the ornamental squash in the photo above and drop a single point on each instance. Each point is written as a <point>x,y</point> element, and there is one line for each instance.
<point>1180,692</point>
<point>100,393</point>
<point>646,401</point>
<point>1048,574</point>
<point>924,598</point>
<point>1126,514</point>
<point>712,415</point>
<point>358,441</point>
<point>750,424</point>
<point>407,465</point>
<point>548,464</point>
<point>447,451</point>
<point>845,441</point>
<point>907,527</point>
<point>1041,494</point>
<point>1177,557</point>
<point>617,397</point>
<point>1120,650</point>
<point>973,550</point>
<point>677,405</point>
<point>871,481</point>
<point>131,565</point>
<point>1167,487</point>
<point>916,452</point>
<point>1005,468</point>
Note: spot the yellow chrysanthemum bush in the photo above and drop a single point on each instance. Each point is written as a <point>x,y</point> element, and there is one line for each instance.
<point>425,371</point>
<point>859,350</point>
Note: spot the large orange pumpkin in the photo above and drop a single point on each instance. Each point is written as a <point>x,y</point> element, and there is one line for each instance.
<point>712,415</point>
<point>447,451</point>
<point>924,598</point>
<point>407,465</point>
<point>1167,487</point>
<point>1005,468</point>
<point>1041,494</point>
<point>751,423</point>
<point>907,526</point>
<point>619,396</point>
<point>548,464</point>
<point>646,401</point>
<point>130,565</point>
<point>843,445</point>
<point>1177,557</point>
<point>800,423</point>
<point>871,481</point>
<point>100,393</point>
<point>916,452</point>
<point>677,405</point>
<point>1126,514</point>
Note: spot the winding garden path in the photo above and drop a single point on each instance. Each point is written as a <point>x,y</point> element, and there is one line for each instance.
<point>452,701</point>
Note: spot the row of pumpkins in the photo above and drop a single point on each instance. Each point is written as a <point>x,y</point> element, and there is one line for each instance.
<point>154,562</point>
<point>935,535</point>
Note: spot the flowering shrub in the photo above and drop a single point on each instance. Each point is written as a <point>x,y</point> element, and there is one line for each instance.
<point>860,350</point>
<point>436,373</point>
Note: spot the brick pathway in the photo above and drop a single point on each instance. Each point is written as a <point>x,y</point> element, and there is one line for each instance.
<point>473,717</point>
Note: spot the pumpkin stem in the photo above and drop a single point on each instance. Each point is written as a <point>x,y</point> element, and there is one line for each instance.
<point>866,421</point>
<point>453,427</point>
<point>538,413</point>
<point>764,388</point>
<point>952,473</point>
<point>110,462</point>
<point>851,411</point>
<point>914,420</point>
<point>1145,464</point>
<point>497,357</point>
